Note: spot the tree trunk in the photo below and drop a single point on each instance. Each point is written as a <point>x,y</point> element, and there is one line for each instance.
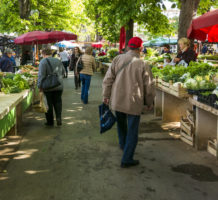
<point>24,9</point>
<point>129,31</point>
<point>187,12</point>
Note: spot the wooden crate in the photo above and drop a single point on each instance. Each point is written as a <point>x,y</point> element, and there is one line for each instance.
<point>180,91</point>
<point>211,147</point>
<point>177,91</point>
<point>186,126</point>
<point>190,117</point>
<point>158,82</point>
<point>186,138</point>
<point>187,132</point>
<point>166,84</point>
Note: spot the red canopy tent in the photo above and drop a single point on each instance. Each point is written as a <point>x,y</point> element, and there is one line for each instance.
<point>122,38</point>
<point>97,45</point>
<point>57,36</point>
<point>29,38</point>
<point>205,27</point>
<point>42,37</point>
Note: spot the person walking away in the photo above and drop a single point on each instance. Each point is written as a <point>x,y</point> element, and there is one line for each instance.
<point>127,86</point>
<point>65,60</point>
<point>53,96</point>
<point>77,53</point>
<point>6,65</point>
<point>86,73</point>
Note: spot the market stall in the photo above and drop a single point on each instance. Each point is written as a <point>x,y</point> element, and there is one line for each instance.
<point>16,96</point>
<point>11,110</point>
<point>190,96</point>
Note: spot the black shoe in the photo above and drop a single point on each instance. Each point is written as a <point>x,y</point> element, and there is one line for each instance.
<point>59,123</point>
<point>127,165</point>
<point>48,124</point>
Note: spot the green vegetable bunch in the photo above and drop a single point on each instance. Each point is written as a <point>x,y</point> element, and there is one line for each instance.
<point>152,52</point>
<point>14,85</point>
<point>103,59</point>
<point>112,53</point>
<point>208,57</point>
<point>201,69</point>
<point>173,73</point>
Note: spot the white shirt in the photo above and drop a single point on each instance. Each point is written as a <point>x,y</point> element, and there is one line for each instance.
<point>64,56</point>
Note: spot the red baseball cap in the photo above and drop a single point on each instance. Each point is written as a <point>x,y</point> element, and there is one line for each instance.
<point>135,42</point>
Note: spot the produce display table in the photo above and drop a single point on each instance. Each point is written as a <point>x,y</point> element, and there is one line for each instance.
<point>12,107</point>
<point>104,66</point>
<point>170,106</point>
<point>206,124</point>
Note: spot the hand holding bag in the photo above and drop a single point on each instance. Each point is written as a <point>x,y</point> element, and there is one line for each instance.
<point>51,80</point>
<point>107,119</point>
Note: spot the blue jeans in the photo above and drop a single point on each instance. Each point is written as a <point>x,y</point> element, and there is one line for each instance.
<point>127,126</point>
<point>86,80</point>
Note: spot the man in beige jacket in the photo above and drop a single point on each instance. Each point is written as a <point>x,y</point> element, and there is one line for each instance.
<point>128,86</point>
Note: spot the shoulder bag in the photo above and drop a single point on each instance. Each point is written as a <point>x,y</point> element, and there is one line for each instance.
<point>79,65</point>
<point>123,66</point>
<point>51,80</point>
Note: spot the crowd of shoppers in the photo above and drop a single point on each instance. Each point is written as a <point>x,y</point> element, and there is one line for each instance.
<point>127,86</point>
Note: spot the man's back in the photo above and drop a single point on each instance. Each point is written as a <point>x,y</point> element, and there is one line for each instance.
<point>130,85</point>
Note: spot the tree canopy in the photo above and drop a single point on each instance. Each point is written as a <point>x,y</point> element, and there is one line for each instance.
<point>28,15</point>
<point>113,14</point>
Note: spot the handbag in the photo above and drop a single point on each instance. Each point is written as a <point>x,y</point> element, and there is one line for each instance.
<point>51,80</point>
<point>107,119</point>
<point>79,65</point>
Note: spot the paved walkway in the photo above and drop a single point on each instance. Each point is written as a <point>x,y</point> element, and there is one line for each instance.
<point>75,162</point>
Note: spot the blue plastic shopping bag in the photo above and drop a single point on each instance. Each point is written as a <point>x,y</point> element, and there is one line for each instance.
<point>107,119</point>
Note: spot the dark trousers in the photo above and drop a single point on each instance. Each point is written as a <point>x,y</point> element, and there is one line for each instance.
<point>86,80</point>
<point>54,101</point>
<point>127,126</point>
<point>77,81</point>
<point>65,63</point>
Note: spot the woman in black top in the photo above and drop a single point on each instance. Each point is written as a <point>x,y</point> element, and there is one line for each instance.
<point>186,53</point>
<point>73,60</point>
